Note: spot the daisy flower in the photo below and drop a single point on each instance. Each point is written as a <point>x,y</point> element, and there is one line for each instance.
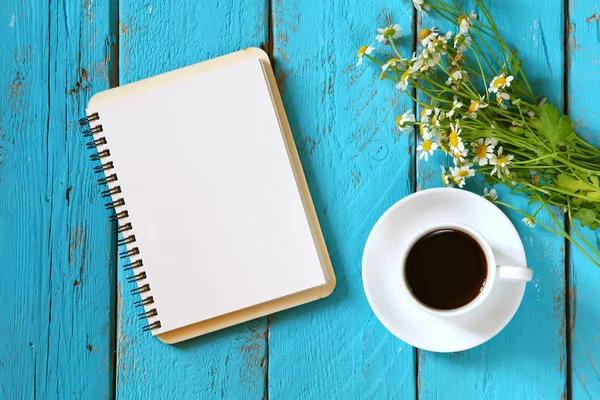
<point>459,156</point>
<point>385,34</point>
<point>427,36</point>
<point>462,42</point>
<point>405,121</point>
<point>465,22</point>
<point>438,45</point>
<point>460,174</point>
<point>426,114</point>
<point>403,84</point>
<point>427,147</point>
<point>422,6</point>
<point>500,163</point>
<point>455,106</point>
<point>500,82</point>
<point>476,106</point>
<point>530,222</point>
<point>364,50</point>
<point>454,138</point>
<point>483,149</point>
<point>455,76</point>
<point>437,116</point>
<point>445,176</point>
<point>392,62</point>
<point>490,194</point>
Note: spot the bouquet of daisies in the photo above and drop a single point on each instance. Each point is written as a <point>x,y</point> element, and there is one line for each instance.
<point>477,107</point>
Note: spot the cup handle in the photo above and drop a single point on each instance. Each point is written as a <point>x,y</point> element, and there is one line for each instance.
<point>514,273</point>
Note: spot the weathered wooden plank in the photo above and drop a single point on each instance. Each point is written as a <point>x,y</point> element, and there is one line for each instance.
<point>57,275</point>
<point>155,38</point>
<point>528,358</point>
<point>584,324</point>
<point>357,165</point>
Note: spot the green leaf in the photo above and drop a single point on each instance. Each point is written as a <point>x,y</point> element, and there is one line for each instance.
<point>594,180</point>
<point>567,182</point>
<point>586,216</point>
<point>594,196</point>
<point>557,129</point>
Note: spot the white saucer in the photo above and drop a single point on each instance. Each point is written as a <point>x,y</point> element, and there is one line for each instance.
<point>380,270</point>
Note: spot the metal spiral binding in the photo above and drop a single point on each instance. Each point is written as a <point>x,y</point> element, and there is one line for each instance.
<point>120,215</point>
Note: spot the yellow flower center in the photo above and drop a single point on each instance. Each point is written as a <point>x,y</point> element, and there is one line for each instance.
<point>498,98</point>
<point>405,76</point>
<point>453,139</point>
<point>423,111</point>
<point>473,107</point>
<point>426,145</point>
<point>463,174</point>
<point>389,32</point>
<point>501,160</point>
<point>361,51</point>
<point>461,19</point>
<point>481,151</point>
<point>399,121</point>
<point>433,120</point>
<point>500,81</point>
<point>424,33</point>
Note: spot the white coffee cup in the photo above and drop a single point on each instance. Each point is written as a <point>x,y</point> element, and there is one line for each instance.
<point>494,272</point>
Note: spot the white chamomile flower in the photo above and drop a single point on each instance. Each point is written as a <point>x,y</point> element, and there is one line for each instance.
<point>437,47</point>
<point>403,84</point>
<point>405,121</point>
<point>500,163</point>
<point>426,114</point>
<point>446,177</point>
<point>483,149</point>
<point>362,51</point>
<point>462,42</point>
<point>460,174</point>
<point>454,138</point>
<point>501,95</point>
<point>465,22</point>
<point>455,76</point>
<point>455,106</point>
<point>427,147</point>
<point>529,221</point>
<point>529,113</point>
<point>422,6</point>
<point>500,82</point>
<point>385,34</point>
<point>459,156</point>
<point>427,36</point>
<point>490,194</point>
<point>392,62</point>
<point>475,106</point>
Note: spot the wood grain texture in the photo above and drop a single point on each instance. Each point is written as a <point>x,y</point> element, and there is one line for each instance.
<point>56,272</point>
<point>232,363</point>
<point>528,358</point>
<point>584,324</point>
<point>357,165</point>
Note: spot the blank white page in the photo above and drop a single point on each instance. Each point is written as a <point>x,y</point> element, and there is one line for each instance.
<point>211,194</point>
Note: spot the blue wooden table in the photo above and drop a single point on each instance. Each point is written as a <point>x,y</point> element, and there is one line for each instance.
<point>68,328</point>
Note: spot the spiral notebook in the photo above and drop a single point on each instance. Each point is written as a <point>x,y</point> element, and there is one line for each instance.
<point>215,218</point>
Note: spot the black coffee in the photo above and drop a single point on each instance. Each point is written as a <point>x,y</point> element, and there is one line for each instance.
<point>446,269</point>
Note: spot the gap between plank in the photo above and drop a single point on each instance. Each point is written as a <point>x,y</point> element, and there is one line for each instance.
<point>415,25</point>
<point>567,253</point>
<point>271,53</point>
<point>113,81</point>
